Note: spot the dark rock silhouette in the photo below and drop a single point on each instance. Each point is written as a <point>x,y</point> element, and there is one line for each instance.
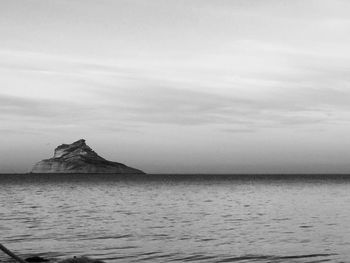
<point>80,158</point>
<point>36,259</point>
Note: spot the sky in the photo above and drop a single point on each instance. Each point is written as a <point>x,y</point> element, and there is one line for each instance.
<point>178,86</point>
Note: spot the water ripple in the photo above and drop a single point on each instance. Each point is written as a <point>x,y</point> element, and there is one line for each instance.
<point>156,221</point>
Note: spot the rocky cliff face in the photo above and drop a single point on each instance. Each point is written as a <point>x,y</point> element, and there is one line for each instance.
<point>80,158</point>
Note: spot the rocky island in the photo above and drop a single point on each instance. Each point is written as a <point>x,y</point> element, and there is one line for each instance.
<point>80,158</point>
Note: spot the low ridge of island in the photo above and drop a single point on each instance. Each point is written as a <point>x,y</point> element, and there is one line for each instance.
<point>80,158</point>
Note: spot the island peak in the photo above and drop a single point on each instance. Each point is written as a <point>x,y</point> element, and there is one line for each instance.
<point>78,157</point>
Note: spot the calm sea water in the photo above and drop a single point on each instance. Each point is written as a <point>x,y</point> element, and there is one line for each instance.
<point>172,218</point>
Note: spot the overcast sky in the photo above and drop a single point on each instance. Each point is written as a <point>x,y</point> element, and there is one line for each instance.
<point>178,86</point>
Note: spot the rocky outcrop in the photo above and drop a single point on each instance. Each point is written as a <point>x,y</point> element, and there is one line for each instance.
<point>80,158</point>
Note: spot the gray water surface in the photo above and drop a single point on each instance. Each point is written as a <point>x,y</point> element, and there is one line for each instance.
<point>177,218</point>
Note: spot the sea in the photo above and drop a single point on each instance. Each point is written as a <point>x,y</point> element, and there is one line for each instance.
<point>177,218</point>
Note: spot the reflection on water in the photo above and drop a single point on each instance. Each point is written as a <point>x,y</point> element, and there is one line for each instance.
<point>177,218</point>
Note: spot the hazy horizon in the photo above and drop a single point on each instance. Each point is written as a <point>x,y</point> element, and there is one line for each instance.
<point>178,86</point>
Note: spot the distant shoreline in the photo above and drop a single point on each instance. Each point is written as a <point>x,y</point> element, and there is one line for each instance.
<point>164,177</point>
<point>147,174</point>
